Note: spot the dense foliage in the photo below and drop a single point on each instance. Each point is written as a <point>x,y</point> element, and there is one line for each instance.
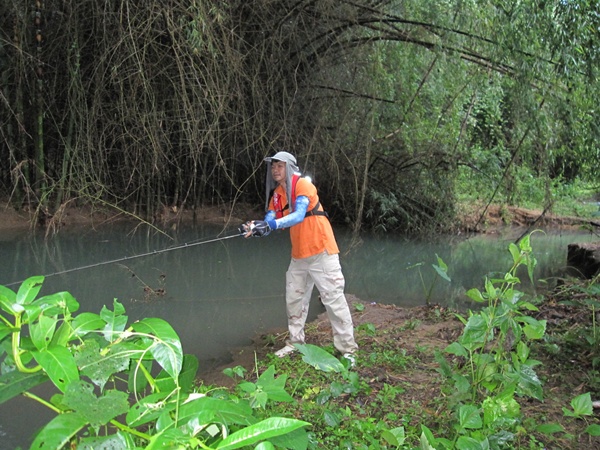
<point>393,106</point>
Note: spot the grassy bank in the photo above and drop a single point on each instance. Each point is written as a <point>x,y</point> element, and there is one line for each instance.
<point>517,372</point>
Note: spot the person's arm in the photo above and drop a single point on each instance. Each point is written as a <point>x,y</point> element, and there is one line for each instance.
<point>291,219</point>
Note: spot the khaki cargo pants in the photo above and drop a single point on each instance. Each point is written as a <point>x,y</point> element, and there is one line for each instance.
<point>325,272</point>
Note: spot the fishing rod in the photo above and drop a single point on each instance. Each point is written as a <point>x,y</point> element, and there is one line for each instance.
<point>141,255</point>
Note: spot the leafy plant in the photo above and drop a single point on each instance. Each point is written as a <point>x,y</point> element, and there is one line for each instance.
<point>151,401</point>
<point>498,366</point>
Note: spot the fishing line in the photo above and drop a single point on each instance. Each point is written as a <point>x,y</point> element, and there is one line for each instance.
<point>141,255</point>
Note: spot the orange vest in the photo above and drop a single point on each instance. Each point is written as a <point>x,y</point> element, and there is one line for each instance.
<point>313,235</point>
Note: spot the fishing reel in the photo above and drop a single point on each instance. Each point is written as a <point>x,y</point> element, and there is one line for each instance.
<point>256,228</point>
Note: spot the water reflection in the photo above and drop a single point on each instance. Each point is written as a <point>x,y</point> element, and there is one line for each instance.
<point>219,294</point>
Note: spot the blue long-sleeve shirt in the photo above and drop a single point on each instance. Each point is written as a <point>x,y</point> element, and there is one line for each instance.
<point>291,219</point>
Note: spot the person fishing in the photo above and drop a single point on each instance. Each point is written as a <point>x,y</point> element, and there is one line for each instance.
<point>295,204</point>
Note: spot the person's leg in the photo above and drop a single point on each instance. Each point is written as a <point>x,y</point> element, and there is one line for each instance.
<point>298,291</point>
<point>327,275</point>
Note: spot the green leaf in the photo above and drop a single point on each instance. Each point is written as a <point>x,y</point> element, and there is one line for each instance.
<point>529,383</point>
<point>475,333</point>
<point>319,358</point>
<point>116,320</point>
<point>427,440</point>
<point>468,417</point>
<point>268,428</point>
<point>115,441</point>
<point>58,432</point>
<point>593,429</point>
<point>442,269</point>
<point>549,428</point>
<point>395,436</point>
<point>167,347</point>
<point>148,409</point>
<point>468,443</point>
<point>57,303</point>
<point>7,298</point>
<point>15,383</point>
<point>42,330</point>
<point>98,411</point>
<point>274,387</point>
<point>85,322</point>
<point>59,364</point>
<point>582,405</point>
<point>29,290</point>
<point>5,331</point>
<point>535,329</point>
<point>457,349</point>
<point>514,251</point>
<point>331,418</point>
<point>206,410</point>
<point>476,295</point>
<point>99,364</point>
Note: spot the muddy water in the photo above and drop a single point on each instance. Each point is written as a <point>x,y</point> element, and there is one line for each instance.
<point>218,292</point>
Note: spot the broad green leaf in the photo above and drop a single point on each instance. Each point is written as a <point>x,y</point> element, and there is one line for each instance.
<point>85,322</point>
<point>331,418</point>
<point>490,289</point>
<point>442,269</point>
<point>456,349</point>
<point>468,417</point>
<point>59,364</point>
<point>319,358</point>
<point>500,409</point>
<point>57,303</point>
<point>529,383</point>
<point>42,330</point>
<point>475,333</point>
<point>534,329</point>
<point>427,440</point>
<point>119,440</point>
<point>187,376</point>
<point>171,438</point>
<point>29,290</point>
<point>395,436</point>
<point>5,330</point>
<point>461,383</point>
<point>274,387</point>
<point>79,396</point>
<point>582,405</point>
<point>148,409</point>
<point>514,251</point>
<point>100,364</point>
<point>206,410</point>
<point>468,443</point>
<point>550,428</point>
<point>7,298</point>
<point>294,440</point>
<point>593,429</point>
<point>116,320</point>
<point>268,428</point>
<point>476,295</point>
<point>58,432</point>
<point>15,383</point>
<point>166,348</point>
